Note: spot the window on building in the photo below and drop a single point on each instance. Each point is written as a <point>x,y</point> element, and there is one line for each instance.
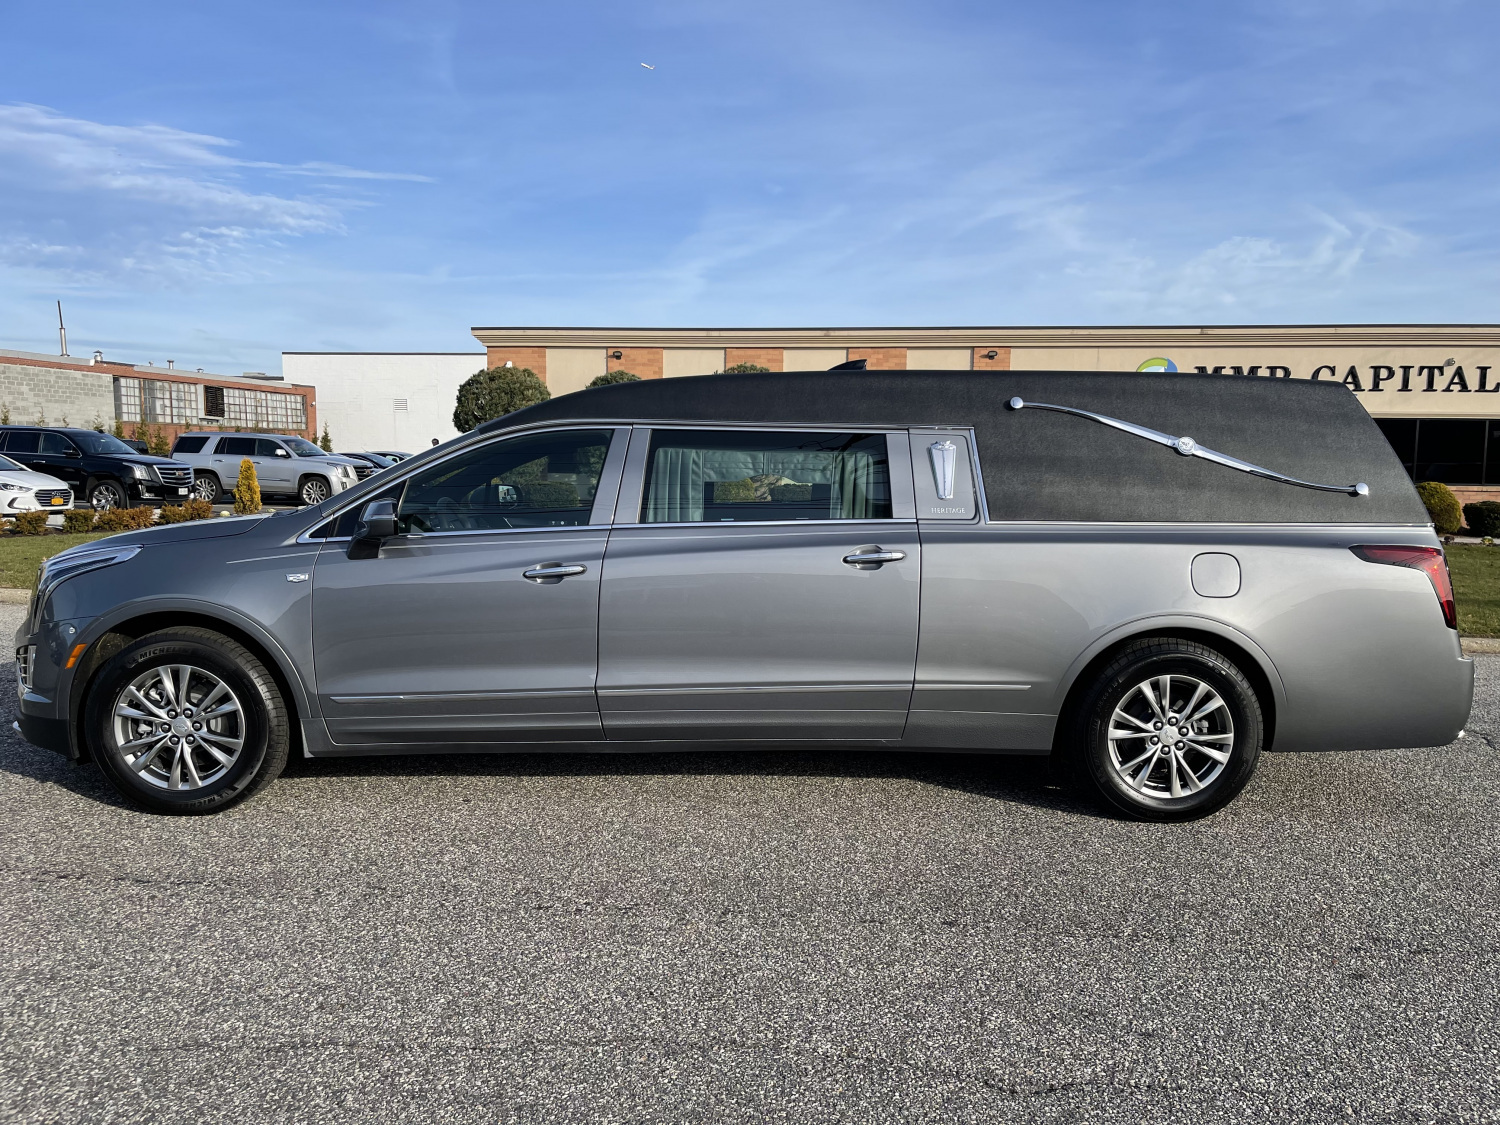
<point>213,402</point>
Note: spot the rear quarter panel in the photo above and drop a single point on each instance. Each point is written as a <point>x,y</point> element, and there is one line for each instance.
<point>1355,655</point>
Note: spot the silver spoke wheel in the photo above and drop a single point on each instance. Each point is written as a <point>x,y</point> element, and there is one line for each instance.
<point>206,488</point>
<point>315,491</point>
<point>179,727</point>
<point>1170,737</point>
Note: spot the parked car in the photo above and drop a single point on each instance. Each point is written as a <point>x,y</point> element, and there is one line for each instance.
<point>994,562</point>
<point>137,444</point>
<point>22,490</point>
<point>366,464</point>
<point>285,465</point>
<point>99,469</point>
<point>390,454</point>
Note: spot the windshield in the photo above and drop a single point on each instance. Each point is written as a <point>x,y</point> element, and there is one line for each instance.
<point>9,466</point>
<point>100,443</point>
<point>302,447</point>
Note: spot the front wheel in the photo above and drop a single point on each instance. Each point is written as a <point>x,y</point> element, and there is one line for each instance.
<point>187,721</point>
<point>1169,730</point>
<point>206,487</point>
<point>107,494</point>
<point>314,490</point>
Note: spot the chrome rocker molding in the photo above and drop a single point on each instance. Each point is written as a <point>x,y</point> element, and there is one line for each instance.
<point>1190,448</point>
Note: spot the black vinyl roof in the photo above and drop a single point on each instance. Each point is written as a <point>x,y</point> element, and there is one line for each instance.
<point>1039,465</point>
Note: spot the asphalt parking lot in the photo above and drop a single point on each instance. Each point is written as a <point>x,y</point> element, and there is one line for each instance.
<point>769,936</point>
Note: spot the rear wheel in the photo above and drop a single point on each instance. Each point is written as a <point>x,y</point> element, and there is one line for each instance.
<point>1169,730</point>
<point>314,490</point>
<point>107,494</point>
<point>206,487</point>
<point>187,721</point>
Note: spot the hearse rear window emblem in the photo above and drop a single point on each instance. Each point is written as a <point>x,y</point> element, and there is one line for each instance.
<point>944,455</point>
<point>1187,447</point>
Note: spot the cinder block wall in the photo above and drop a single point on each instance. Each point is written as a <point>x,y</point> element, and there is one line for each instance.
<point>32,393</point>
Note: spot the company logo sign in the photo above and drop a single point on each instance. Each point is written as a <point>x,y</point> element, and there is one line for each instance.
<point>1427,378</point>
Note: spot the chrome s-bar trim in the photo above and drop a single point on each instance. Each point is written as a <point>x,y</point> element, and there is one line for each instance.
<point>1190,448</point>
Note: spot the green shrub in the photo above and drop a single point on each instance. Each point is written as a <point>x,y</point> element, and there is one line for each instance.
<point>791,493</point>
<point>78,520</point>
<point>1483,518</point>
<point>31,523</point>
<point>548,494</point>
<point>609,378</point>
<point>125,519</point>
<point>197,509</point>
<point>494,393</point>
<point>1442,506</point>
<point>173,513</point>
<point>746,369</point>
<point>247,491</point>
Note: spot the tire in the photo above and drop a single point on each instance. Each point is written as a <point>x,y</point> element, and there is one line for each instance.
<point>175,777</point>
<point>206,486</point>
<point>107,494</point>
<point>1168,779</point>
<point>313,490</point>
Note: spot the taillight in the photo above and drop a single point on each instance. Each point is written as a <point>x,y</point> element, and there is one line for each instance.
<point>1429,560</point>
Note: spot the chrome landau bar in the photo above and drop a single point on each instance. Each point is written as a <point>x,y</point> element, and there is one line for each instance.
<point>1190,448</point>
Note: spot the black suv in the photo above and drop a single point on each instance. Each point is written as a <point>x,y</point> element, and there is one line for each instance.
<point>100,469</point>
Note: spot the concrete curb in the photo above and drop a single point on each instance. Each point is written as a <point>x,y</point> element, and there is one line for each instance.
<point>10,595</point>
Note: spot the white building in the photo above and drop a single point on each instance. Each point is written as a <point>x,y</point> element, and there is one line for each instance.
<point>384,400</point>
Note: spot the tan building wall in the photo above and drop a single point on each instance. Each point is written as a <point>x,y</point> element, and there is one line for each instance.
<point>1405,371</point>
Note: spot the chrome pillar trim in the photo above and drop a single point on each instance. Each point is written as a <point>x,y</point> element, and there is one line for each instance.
<point>944,455</point>
<point>1190,448</point>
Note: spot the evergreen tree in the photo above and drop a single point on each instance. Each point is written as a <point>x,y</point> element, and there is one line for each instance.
<point>247,490</point>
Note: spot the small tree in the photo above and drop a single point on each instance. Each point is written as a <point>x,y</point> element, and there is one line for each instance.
<point>247,491</point>
<point>158,445</point>
<point>4,413</point>
<point>325,443</point>
<point>494,393</point>
<point>1442,506</point>
<point>745,369</point>
<point>609,378</point>
<point>119,430</point>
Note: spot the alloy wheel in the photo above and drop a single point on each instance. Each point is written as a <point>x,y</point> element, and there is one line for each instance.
<point>206,488</point>
<point>1171,736</point>
<point>315,491</point>
<point>107,495</point>
<point>179,727</point>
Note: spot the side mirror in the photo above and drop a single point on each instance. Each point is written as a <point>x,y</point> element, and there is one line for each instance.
<point>377,521</point>
<point>282,452</point>
<point>73,453</point>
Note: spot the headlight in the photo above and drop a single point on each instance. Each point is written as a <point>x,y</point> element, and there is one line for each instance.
<point>142,471</point>
<point>6,486</point>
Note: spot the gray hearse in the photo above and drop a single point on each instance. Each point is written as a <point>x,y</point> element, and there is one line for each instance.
<point>1151,577</point>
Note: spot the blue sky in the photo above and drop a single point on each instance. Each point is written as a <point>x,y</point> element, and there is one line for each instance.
<point>217,183</point>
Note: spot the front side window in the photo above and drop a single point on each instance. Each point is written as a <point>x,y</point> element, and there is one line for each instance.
<point>56,445</point>
<point>720,476</point>
<point>302,447</point>
<point>539,480</point>
<point>265,447</point>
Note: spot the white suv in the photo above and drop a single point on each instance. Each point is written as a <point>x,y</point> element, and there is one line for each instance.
<point>285,465</point>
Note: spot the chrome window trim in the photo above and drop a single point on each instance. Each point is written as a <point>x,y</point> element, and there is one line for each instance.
<point>305,537</point>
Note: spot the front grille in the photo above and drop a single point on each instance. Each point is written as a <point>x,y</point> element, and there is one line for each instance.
<point>24,656</point>
<point>361,470</point>
<point>173,476</point>
<point>54,497</point>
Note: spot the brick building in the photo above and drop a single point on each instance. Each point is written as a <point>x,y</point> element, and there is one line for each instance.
<point>68,390</point>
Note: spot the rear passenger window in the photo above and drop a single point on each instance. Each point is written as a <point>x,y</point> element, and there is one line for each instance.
<point>724,476</point>
<point>22,441</point>
<point>237,447</point>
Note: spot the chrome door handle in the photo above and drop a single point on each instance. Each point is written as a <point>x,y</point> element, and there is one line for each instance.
<point>873,558</point>
<point>553,572</point>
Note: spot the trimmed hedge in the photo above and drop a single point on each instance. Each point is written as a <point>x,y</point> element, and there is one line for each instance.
<point>1483,518</point>
<point>31,523</point>
<point>125,519</point>
<point>1442,506</point>
<point>78,520</point>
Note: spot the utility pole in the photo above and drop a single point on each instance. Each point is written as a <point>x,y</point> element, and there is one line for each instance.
<point>62,333</point>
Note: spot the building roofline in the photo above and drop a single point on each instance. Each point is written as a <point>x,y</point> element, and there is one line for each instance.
<point>982,336</point>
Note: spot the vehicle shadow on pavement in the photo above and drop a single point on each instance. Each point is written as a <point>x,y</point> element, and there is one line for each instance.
<point>1025,781</point>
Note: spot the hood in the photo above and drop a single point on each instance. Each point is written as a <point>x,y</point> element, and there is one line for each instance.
<point>148,459</point>
<point>31,479</point>
<point>183,532</point>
